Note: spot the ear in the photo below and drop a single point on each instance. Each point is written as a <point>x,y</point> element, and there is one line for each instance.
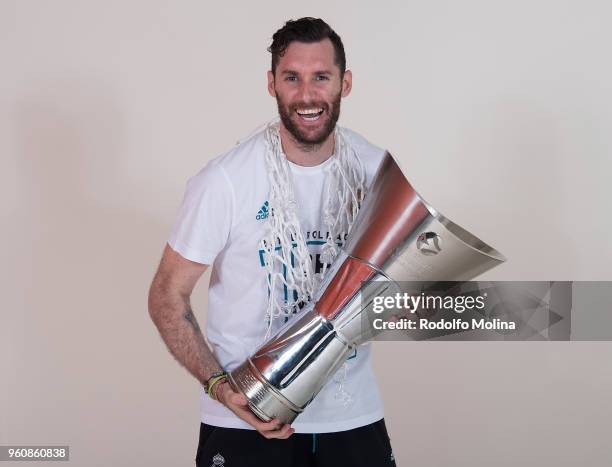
<point>347,83</point>
<point>271,90</point>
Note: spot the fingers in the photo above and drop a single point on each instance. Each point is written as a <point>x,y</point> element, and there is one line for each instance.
<point>272,429</point>
<point>283,433</point>
<point>256,423</point>
<point>237,403</point>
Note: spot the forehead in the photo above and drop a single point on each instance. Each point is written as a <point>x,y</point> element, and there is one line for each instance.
<point>301,56</point>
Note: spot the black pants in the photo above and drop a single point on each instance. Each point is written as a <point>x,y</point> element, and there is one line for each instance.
<point>230,447</point>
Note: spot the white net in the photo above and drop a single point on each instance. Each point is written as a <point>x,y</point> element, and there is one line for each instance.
<point>286,256</point>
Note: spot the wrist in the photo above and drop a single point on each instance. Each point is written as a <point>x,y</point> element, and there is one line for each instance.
<point>212,382</point>
<point>218,391</point>
<point>213,376</point>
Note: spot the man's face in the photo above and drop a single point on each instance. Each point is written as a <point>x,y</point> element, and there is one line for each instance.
<point>308,88</point>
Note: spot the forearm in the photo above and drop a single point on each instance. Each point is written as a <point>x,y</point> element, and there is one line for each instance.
<point>171,312</point>
<point>178,327</point>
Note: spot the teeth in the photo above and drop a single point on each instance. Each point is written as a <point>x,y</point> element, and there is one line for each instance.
<point>309,111</point>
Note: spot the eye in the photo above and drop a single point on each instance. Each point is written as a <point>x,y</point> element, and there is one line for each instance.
<point>322,78</point>
<point>291,78</point>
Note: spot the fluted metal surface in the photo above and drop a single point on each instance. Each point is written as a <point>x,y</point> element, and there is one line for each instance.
<point>397,237</point>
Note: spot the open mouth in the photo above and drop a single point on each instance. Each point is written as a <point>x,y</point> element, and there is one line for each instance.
<point>310,115</point>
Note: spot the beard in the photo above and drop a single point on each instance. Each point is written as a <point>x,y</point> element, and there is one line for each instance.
<point>310,140</point>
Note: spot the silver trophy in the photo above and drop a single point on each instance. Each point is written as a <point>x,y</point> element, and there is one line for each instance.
<point>397,237</point>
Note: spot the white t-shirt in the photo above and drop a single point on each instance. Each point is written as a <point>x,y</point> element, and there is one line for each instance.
<point>221,222</point>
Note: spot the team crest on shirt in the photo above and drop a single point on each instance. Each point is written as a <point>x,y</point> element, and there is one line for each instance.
<point>218,461</point>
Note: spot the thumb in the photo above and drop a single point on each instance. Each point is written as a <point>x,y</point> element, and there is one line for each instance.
<point>238,399</point>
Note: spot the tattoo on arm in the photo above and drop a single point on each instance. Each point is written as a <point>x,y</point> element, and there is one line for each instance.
<point>191,319</point>
<point>173,316</point>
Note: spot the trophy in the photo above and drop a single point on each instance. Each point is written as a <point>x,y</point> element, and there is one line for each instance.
<point>397,237</point>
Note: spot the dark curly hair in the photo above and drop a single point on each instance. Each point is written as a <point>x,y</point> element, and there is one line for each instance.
<point>306,30</point>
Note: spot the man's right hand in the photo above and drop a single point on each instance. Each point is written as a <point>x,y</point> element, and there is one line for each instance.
<point>238,404</point>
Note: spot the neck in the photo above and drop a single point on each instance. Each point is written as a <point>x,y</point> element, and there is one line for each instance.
<point>306,155</point>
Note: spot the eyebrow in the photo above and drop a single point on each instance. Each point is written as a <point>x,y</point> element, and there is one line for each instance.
<point>292,72</point>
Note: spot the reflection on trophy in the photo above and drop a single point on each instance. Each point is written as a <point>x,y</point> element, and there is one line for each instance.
<point>397,237</point>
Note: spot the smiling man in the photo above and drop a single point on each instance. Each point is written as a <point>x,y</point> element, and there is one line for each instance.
<point>269,215</point>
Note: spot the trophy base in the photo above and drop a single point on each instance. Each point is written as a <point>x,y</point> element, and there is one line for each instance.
<point>265,401</point>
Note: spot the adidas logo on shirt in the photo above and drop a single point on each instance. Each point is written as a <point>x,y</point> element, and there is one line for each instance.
<point>263,212</point>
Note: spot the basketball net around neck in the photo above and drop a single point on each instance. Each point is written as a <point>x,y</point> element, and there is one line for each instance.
<point>292,281</point>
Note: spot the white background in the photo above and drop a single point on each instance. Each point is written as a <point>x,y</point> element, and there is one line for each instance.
<point>500,113</point>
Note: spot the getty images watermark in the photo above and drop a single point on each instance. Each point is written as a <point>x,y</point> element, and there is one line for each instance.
<point>513,310</point>
<point>401,303</point>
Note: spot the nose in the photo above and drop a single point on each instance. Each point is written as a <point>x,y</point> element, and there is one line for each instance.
<point>306,91</point>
